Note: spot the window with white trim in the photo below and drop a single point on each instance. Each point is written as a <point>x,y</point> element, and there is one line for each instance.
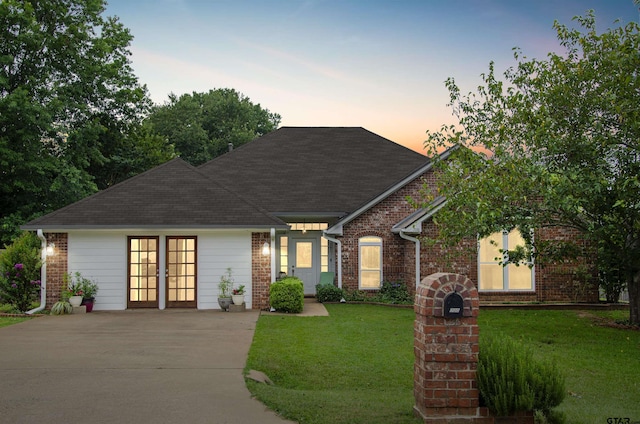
<point>370,254</point>
<point>492,253</point>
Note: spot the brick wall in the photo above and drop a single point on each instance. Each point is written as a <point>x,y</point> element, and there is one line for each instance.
<point>378,222</point>
<point>554,282</point>
<point>260,271</point>
<point>56,266</point>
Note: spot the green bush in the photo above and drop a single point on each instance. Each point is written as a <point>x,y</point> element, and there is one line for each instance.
<point>394,293</point>
<point>355,295</point>
<point>20,272</point>
<point>328,293</point>
<point>510,379</point>
<point>287,295</point>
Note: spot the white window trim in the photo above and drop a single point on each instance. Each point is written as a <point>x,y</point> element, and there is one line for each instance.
<point>369,243</point>
<point>505,270</point>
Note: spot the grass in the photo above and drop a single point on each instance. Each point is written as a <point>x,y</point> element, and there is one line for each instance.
<point>6,321</point>
<point>356,366</point>
<point>9,309</point>
<point>601,364</point>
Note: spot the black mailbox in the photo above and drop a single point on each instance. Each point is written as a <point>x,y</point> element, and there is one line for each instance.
<point>453,305</point>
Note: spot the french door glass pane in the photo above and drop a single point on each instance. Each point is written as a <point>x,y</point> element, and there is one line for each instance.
<point>143,271</point>
<point>181,271</point>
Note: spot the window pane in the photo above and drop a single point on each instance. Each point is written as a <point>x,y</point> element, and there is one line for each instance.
<point>190,295</point>
<point>304,254</point>
<point>370,279</point>
<point>520,277</point>
<point>370,257</point>
<point>490,248</point>
<point>515,239</point>
<point>370,262</point>
<point>491,277</point>
<point>370,239</point>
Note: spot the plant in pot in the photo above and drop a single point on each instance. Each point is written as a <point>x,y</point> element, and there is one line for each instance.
<point>73,294</point>
<point>238,295</point>
<point>89,290</point>
<point>225,286</point>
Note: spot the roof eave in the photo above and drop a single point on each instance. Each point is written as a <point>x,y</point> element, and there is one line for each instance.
<point>129,227</point>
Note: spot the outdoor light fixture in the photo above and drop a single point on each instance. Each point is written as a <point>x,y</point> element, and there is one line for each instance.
<point>265,248</point>
<point>51,249</point>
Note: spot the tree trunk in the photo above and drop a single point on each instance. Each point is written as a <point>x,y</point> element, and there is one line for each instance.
<point>633,285</point>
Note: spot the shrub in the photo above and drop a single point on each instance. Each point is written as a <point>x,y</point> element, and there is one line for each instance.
<point>355,295</point>
<point>394,293</point>
<point>328,293</point>
<point>61,307</point>
<point>287,295</point>
<point>510,379</point>
<point>20,272</point>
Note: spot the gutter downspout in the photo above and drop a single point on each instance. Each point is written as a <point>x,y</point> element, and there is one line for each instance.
<point>417,242</point>
<point>338,255</point>
<point>43,274</point>
<point>272,251</point>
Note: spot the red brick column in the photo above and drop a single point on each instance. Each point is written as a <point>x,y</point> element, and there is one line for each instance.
<point>446,351</point>
<point>57,266</point>
<point>260,271</point>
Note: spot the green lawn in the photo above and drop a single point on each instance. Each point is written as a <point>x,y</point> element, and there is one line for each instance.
<point>356,366</point>
<point>5,321</point>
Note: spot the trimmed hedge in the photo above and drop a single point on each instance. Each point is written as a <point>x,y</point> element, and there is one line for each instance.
<point>287,295</point>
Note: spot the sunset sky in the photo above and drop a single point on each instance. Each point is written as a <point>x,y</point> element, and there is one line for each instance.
<point>375,64</point>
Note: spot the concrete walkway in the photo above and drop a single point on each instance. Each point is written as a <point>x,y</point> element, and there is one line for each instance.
<point>140,366</point>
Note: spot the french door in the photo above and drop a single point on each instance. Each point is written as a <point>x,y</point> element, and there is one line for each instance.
<point>143,272</point>
<point>180,274</point>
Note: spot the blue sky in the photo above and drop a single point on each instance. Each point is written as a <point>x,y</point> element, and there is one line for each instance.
<point>375,64</point>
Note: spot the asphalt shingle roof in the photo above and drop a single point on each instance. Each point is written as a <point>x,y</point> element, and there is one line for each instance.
<point>174,194</point>
<point>328,171</point>
<point>314,169</point>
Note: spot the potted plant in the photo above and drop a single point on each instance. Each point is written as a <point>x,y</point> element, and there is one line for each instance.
<point>73,293</point>
<point>238,295</point>
<point>224,290</point>
<point>89,290</point>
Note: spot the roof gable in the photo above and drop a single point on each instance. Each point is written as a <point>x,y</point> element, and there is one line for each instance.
<point>330,170</point>
<point>408,221</point>
<point>174,194</point>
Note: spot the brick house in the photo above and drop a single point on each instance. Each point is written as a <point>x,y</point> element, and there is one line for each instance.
<point>299,201</point>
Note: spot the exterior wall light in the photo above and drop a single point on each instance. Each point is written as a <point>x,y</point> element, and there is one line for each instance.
<point>265,249</point>
<point>51,249</point>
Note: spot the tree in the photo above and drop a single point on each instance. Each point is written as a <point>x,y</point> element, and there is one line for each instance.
<point>555,145</point>
<point>201,125</point>
<point>67,92</point>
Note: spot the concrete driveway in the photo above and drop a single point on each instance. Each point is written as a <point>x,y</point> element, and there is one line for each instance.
<point>141,366</point>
